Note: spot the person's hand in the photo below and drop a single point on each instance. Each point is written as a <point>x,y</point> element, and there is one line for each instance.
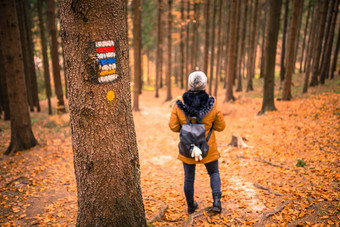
<point>197,153</point>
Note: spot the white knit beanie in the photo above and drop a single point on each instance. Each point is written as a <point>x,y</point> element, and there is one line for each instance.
<point>197,81</point>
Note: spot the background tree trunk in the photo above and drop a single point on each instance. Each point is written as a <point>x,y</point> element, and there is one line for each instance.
<point>137,43</point>
<point>335,55</point>
<point>319,39</point>
<point>159,52</point>
<point>207,38</point>
<point>182,46</point>
<point>283,49</point>
<point>232,51</point>
<point>272,28</point>
<point>329,44</point>
<point>103,136</point>
<point>263,44</point>
<point>22,136</point>
<point>305,36</point>
<point>187,71</point>
<point>44,56</point>
<point>242,24</point>
<point>55,56</point>
<point>168,74</point>
<point>3,86</point>
<point>212,49</point>
<point>219,47</point>
<point>293,35</point>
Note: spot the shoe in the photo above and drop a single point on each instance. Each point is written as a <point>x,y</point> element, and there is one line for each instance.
<point>217,202</point>
<point>191,209</point>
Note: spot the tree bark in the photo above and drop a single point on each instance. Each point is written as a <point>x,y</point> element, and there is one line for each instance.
<point>317,51</point>
<point>232,52</point>
<point>329,44</point>
<point>168,74</point>
<point>187,69</point>
<point>44,56</point>
<point>4,103</point>
<point>242,31</point>
<point>305,35</point>
<point>252,49</point>
<point>263,38</point>
<point>227,44</point>
<point>103,136</point>
<point>55,56</point>
<point>22,136</point>
<point>137,43</point>
<point>293,35</point>
<point>283,49</point>
<point>212,49</point>
<point>272,28</point>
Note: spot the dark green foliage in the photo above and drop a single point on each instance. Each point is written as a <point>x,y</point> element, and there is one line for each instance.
<point>300,163</point>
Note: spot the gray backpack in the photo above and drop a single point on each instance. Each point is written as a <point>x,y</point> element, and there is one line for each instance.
<point>193,134</point>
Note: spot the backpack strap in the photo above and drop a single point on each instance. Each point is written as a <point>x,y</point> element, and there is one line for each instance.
<point>186,117</point>
<point>210,131</point>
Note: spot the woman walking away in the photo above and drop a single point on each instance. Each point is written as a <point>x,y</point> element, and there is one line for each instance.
<point>197,108</point>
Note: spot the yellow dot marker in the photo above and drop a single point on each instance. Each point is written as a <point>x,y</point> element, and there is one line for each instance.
<point>110,95</point>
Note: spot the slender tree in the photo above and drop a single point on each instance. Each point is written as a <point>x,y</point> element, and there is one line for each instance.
<point>212,49</point>
<point>182,46</point>
<point>4,103</point>
<point>335,55</point>
<point>219,47</point>
<point>283,49</point>
<point>272,28</point>
<point>305,34</point>
<point>137,43</point>
<point>242,23</point>
<point>187,48</point>
<point>232,52</point>
<point>290,61</point>
<point>252,48</point>
<point>103,136</point>
<point>22,136</point>
<point>168,74</point>
<point>55,56</point>
<point>207,38</point>
<point>264,18</point>
<point>44,56</point>
<point>159,52</point>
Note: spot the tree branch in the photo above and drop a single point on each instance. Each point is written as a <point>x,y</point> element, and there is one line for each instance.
<point>259,186</point>
<point>270,163</point>
<point>267,214</point>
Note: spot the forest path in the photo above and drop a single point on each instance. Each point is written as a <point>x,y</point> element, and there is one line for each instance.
<point>37,187</point>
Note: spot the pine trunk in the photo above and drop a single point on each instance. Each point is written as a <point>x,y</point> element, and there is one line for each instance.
<point>187,69</point>
<point>272,28</point>
<point>159,53</point>
<point>232,52</point>
<point>22,136</point>
<point>219,47</point>
<point>103,136</point>
<point>168,74</point>
<point>47,80</point>
<point>212,49</point>
<point>302,69</point>
<point>335,55</point>
<point>182,46</point>
<point>207,38</point>
<point>263,44</point>
<point>4,105</point>
<point>55,56</point>
<point>293,35</point>
<point>137,53</point>
<point>241,33</point>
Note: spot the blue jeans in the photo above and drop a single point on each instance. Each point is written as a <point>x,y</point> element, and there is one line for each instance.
<point>189,179</point>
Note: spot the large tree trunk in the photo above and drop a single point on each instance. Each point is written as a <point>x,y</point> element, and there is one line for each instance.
<point>329,44</point>
<point>44,55</point>
<point>103,136</point>
<point>168,74</point>
<point>55,56</point>
<point>272,28</point>
<point>283,49</point>
<point>293,35</point>
<point>137,43</point>
<point>305,36</point>
<point>159,52</point>
<point>252,49</point>
<point>212,49</point>
<point>182,46</point>
<point>232,52</point>
<point>22,136</point>
<point>207,38</point>
<point>317,51</point>
<point>263,38</point>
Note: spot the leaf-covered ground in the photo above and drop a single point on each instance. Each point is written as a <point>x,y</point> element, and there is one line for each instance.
<point>289,174</point>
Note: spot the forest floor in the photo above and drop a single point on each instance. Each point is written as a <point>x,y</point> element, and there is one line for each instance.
<point>289,174</point>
